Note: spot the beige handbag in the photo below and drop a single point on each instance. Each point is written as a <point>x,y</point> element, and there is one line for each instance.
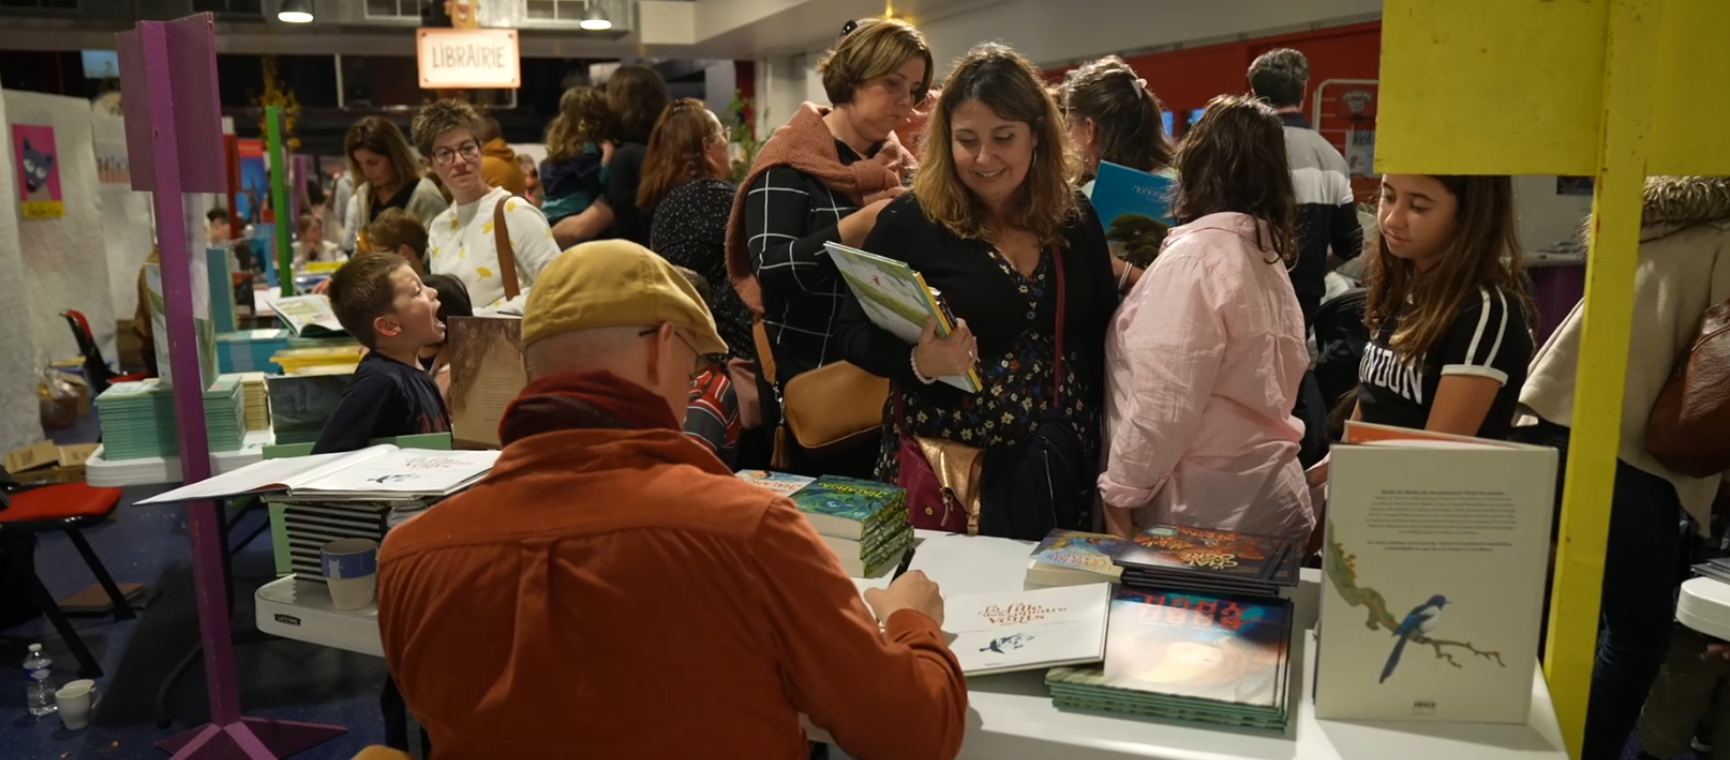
<point>827,410</point>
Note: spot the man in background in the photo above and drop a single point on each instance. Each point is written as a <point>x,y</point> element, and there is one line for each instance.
<point>1327,216</point>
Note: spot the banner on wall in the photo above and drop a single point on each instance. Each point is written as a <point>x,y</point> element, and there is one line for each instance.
<point>453,59</point>
<point>38,172</point>
<point>1361,152</point>
<point>111,165</point>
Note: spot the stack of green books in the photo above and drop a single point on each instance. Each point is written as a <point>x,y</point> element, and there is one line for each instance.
<point>1209,660</point>
<point>138,420</point>
<point>299,405</point>
<point>864,521</point>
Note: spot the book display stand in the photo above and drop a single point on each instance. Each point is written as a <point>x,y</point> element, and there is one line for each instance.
<point>174,138</point>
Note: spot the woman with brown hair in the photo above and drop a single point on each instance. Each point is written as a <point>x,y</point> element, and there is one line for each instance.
<point>688,200</point>
<point>636,96</point>
<point>824,177</point>
<point>1447,310</point>
<point>1206,354</point>
<point>386,175</point>
<point>1113,116</point>
<point>994,226</point>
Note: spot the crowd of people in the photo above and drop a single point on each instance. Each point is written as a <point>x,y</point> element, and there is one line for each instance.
<point>678,327</point>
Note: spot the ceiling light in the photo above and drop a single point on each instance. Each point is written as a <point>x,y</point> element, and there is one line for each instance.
<point>295,12</point>
<point>595,19</point>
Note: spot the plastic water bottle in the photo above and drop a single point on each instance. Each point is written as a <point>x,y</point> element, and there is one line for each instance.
<point>38,682</point>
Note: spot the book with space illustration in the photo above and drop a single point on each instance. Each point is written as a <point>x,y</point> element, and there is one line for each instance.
<point>896,298</point>
<point>1028,630</point>
<point>1434,571</point>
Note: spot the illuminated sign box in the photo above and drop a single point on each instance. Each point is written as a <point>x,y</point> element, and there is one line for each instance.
<point>454,59</point>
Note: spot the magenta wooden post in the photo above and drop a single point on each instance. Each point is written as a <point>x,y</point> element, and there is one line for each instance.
<point>173,131</point>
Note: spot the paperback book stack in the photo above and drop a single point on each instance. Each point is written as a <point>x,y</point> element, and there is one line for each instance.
<point>309,524</point>
<point>255,399</point>
<point>1209,660</point>
<point>251,350</point>
<point>299,405</point>
<point>138,419</point>
<point>864,521</point>
<point>1168,557</point>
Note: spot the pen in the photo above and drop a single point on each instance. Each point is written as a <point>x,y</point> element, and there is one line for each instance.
<point>906,560</point>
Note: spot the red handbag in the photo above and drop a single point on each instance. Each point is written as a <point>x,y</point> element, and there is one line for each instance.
<point>942,478</point>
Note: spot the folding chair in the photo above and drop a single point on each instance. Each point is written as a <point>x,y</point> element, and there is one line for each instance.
<point>69,508</point>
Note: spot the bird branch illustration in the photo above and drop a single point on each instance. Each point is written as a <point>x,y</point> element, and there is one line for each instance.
<point>1343,576</point>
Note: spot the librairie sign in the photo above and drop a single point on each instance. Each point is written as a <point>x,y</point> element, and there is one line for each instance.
<point>468,59</point>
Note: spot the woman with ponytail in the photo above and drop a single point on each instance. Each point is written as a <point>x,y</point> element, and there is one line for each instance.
<point>1113,116</point>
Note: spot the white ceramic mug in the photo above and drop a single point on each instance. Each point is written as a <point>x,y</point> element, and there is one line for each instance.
<point>351,572</point>
<point>75,701</point>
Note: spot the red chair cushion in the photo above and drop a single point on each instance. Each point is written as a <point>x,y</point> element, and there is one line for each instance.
<point>59,503</point>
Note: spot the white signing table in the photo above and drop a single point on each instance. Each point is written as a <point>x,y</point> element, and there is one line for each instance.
<point>1704,606</point>
<point>1010,717</point>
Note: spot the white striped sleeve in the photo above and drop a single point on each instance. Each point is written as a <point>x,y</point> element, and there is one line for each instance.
<point>1488,338</point>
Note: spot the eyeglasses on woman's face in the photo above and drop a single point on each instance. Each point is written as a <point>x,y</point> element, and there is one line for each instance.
<point>445,156</point>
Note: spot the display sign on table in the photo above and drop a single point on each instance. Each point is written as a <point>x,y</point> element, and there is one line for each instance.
<point>38,171</point>
<point>468,58</point>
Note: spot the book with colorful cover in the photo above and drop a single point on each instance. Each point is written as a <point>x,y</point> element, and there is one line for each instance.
<point>1185,550</point>
<point>1027,630</point>
<point>896,298</point>
<point>1073,557</point>
<point>1134,208</point>
<point>1199,646</point>
<point>853,509</point>
<point>782,483</point>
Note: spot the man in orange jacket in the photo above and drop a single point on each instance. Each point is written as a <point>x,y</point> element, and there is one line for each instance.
<point>611,590</point>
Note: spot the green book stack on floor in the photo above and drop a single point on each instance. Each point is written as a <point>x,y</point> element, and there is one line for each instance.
<point>864,521</point>
<point>138,420</point>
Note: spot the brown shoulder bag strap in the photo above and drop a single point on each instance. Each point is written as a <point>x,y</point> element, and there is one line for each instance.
<point>502,243</point>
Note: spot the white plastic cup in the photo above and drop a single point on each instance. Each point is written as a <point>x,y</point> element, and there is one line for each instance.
<point>75,701</point>
<point>351,572</point>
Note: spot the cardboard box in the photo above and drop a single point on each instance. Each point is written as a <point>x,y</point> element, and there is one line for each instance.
<point>46,463</point>
<point>83,389</point>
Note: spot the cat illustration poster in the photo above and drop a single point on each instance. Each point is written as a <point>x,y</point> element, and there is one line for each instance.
<point>38,172</point>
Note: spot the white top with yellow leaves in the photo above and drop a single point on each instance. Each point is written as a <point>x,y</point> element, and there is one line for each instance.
<point>460,244</point>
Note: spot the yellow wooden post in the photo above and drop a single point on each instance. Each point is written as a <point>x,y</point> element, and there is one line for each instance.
<point>1607,88</point>
<point>1630,67</point>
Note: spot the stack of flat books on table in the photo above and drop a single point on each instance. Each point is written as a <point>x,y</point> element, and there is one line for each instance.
<point>864,521</point>
<point>300,404</point>
<point>1210,660</point>
<point>251,350</point>
<point>320,360</point>
<point>255,400</point>
<point>1168,557</point>
<point>139,422</point>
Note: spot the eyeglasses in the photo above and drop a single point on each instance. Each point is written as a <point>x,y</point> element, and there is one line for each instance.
<point>445,156</point>
<point>704,363</point>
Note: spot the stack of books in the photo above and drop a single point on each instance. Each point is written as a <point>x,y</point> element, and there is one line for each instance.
<point>1208,660</point>
<point>138,419</point>
<point>323,360</point>
<point>251,350</point>
<point>863,521</point>
<point>1168,557</point>
<point>309,524</point>
<point>255,400</point>
<point>300,404</point>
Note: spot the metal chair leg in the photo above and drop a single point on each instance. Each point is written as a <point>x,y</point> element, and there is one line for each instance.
<point>87,665</point>
<point>122,608</point>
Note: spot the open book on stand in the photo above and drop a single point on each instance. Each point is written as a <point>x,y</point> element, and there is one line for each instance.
<point>375,472</point>
<point>308,316</point>
<point>1434,565</point>
<point>897,299</point>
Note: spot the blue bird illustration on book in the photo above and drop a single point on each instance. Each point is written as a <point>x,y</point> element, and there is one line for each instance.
<point>1419,622</point>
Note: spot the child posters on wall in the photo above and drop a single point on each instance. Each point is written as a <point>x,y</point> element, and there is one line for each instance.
<point>38,171</point>
<point>112,165</point>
